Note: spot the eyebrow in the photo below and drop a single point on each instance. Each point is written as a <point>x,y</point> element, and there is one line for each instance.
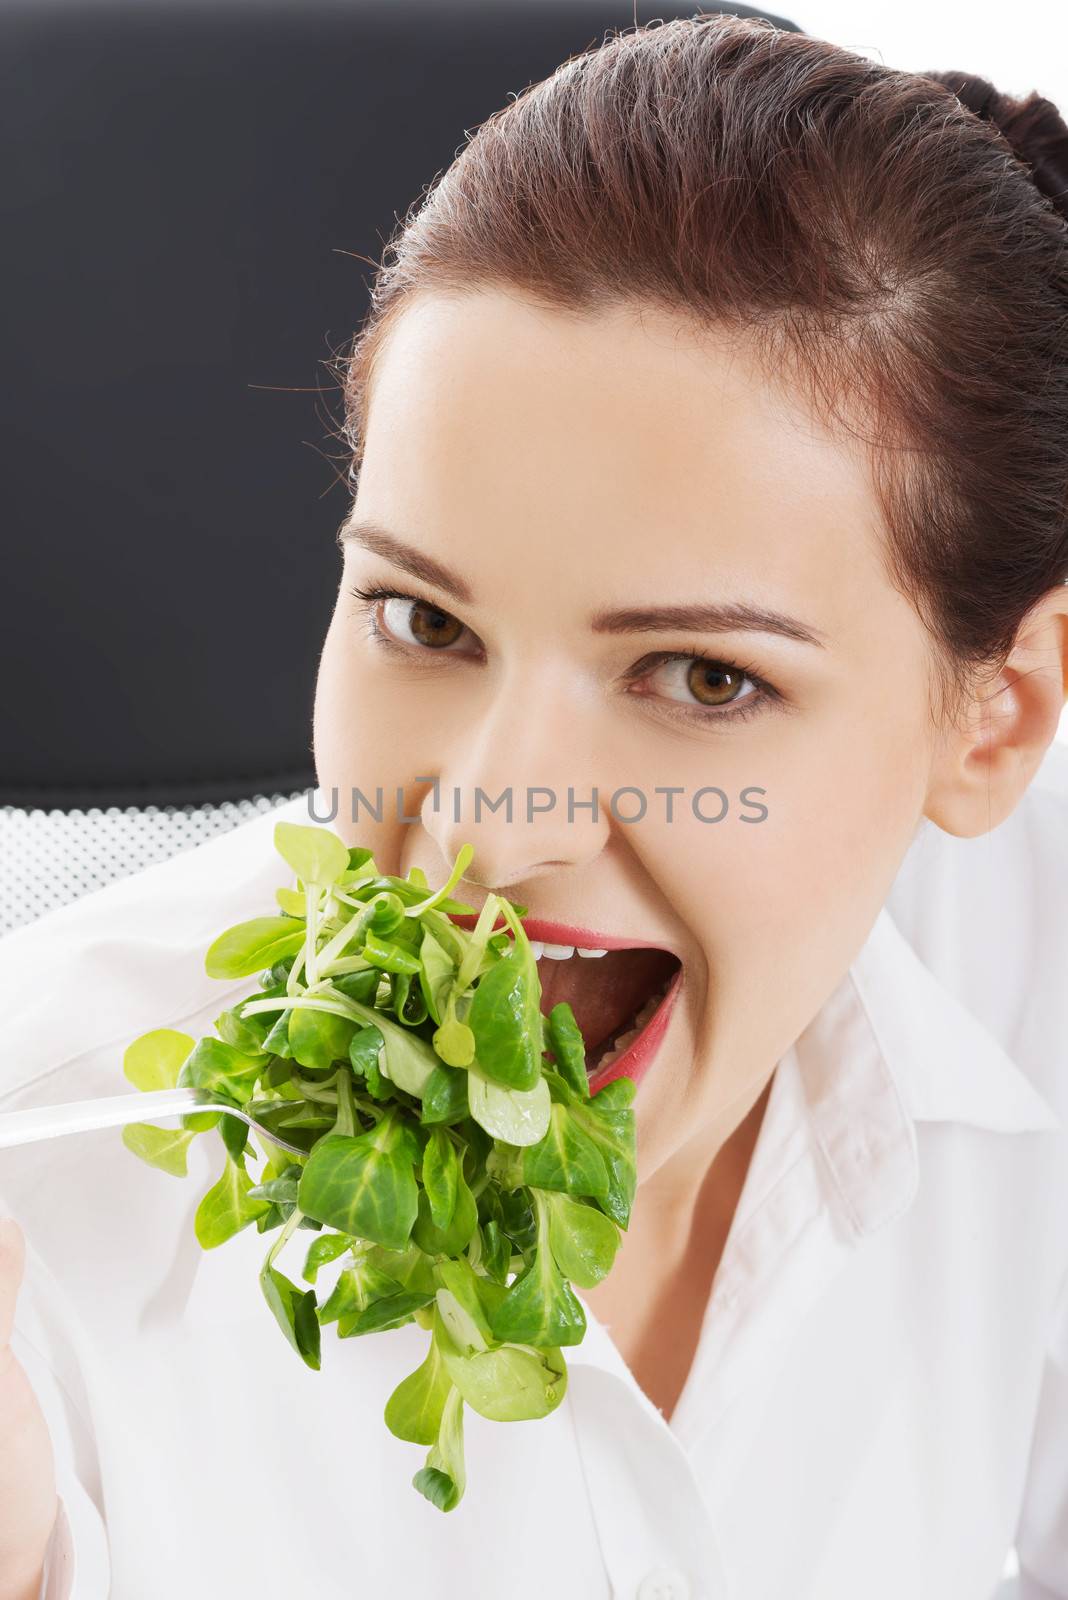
<point>381,542</point>
<point>700,617</point>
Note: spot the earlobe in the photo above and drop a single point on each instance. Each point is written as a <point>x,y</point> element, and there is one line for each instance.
<point>979,776</point>
<point>986,764</point>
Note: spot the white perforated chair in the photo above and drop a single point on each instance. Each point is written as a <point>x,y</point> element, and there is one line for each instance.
<point>48,858</point>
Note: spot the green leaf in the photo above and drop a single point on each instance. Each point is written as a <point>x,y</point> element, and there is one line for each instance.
<point>319,1038</point>
<point>244,1033</point>
<point>227,1207</point>
<point>234,1134</point>
<point>510,1384</point>
<point>361,986</point>
<point>378,1087</point>
<point>274,980</point>
<point>408,1060</point>
<point>316,855</point>
<point>291,902</point>
<point>518,1220</point>
<point>436,974</point>
<point>517,1116</point>
<point>387,917</point>
<point>506,1022</point>
<point>441,1177</point>
<point>364,1049</point>
<point>461,1306</point>
<point>294,1311</point>
<point>470,1092</point>
<point>566,1158</point>
<point>445,1096</point>
<point>249,946</point>
<point>414,1409</point>
<point>582,1239</point>
<point>217,1068</point>
<point>613,1132</point>
<point>154,1060</point>
<point>568,1047</point>
<point>326,1248</point>
<point>407,999</point>
<point>391,1311</point>
<point>365,1185</point>
<point>444,1477</point>
<point>357,1288</point>
<point>496,1251</point>
<point>281,1191</point>
<point>165,1148</point>
<point>277,1040</point>
<point>454,1043</point>
<point>540,1307</point>
<point>437,1487</point>
<point>410,1267</point>
<point>617,1095</point>
<point>387,955</point>
<point>435,1241</point>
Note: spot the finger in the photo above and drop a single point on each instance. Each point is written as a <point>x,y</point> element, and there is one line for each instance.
<point>12,1265</point>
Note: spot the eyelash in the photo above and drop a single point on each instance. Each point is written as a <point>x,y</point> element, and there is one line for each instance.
<point>763,694</point>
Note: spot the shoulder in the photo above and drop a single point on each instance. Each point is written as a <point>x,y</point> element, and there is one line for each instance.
<point>130,956</point>
<point>989,917</point>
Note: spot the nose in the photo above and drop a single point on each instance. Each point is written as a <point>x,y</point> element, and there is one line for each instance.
<point>518,785</point>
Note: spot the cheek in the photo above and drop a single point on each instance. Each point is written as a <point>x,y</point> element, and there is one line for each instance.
<point>781,906</point>
<point>335,708</point>
<point>841,815</point>
<point>352,717</point>
<point>373,728</point>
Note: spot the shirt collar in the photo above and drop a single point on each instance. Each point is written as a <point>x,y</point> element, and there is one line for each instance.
<point>893,1047</point>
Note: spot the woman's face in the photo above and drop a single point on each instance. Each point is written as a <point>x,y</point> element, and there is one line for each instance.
<point>557,469</point>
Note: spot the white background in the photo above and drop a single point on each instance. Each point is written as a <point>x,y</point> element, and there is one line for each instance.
<point>1017,47</point>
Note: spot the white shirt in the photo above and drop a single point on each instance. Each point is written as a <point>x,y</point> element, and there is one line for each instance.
<point>878,1407</point>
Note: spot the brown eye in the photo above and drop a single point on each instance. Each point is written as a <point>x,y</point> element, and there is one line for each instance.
<point>425,623</point>
<point>704,684</point>
<point>713,683</point>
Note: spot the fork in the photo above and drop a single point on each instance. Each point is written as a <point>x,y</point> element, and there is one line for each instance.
<point>111,1111</point>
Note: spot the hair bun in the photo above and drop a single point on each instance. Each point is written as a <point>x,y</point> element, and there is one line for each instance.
<point>1034,128</point>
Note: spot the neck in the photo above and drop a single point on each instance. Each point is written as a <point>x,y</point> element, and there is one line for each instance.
<point>702,1181</point>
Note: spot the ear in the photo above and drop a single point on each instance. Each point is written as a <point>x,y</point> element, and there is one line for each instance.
<point>984,765</point>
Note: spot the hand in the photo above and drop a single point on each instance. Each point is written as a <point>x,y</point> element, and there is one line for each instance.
<point>28,1501</point>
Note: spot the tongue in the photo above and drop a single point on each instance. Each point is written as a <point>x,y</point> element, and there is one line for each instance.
<point>605,991</point>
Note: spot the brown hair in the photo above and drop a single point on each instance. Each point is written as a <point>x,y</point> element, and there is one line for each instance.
<point>894,243</point>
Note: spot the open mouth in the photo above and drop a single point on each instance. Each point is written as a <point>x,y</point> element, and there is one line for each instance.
<point>620,1001</point>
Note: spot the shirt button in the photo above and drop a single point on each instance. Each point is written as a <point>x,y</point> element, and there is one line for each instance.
<point>664,1583</point>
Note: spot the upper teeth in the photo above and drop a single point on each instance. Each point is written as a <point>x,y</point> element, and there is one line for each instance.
<point>560,952</point>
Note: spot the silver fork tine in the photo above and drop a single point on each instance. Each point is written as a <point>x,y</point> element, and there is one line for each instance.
<point>83,1116</point>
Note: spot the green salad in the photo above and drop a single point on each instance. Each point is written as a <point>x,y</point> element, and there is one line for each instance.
<point>448,1153</point>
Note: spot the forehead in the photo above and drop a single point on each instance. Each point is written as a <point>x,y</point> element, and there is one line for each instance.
<point>623,432</point>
